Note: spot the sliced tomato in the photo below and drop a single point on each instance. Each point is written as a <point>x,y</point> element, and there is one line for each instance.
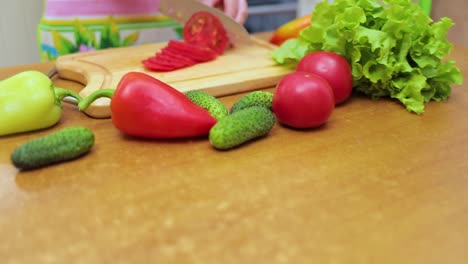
<point>167,61</point>
<point>195,52</point>
<point>158,63</point>
<point>156,66</point>
<point>204,38</point>
<point>206,30</point>
<point>170,60</point>
<point>177,56</point>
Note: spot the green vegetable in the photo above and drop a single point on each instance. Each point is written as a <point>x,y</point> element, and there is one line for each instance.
<point>393,47</point>
<point>241,126</point>
<point>258,98</point>
<point>29,101</point>
<point>215,107</point>
<point>63,145</point>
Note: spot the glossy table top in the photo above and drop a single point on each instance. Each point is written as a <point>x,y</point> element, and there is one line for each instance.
<point>377,184</point>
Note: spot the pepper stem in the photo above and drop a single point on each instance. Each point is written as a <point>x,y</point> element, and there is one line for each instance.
<point>61,93</point>
<point>85,102</point>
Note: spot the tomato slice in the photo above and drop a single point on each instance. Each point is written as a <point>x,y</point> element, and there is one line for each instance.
<point>195,52</point>
<point>160,63</point>
<point>156,66</point>
<point>204,38</point>
<point>167,62</point>
<point>178,54</point>
<point>205,29</point>
<point>169,53</point>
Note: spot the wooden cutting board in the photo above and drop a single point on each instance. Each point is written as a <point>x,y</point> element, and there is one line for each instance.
<point>238,70</point>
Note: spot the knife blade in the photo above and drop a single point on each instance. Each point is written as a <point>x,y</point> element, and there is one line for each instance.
<point>181,11</point>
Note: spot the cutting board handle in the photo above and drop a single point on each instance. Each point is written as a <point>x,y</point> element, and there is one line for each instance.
<point>94,77</point>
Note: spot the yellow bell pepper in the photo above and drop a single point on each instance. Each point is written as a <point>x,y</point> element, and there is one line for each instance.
<point>29,101</point>
<point>290,29</point>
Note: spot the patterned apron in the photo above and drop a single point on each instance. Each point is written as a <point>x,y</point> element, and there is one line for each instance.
<point>69,26</point>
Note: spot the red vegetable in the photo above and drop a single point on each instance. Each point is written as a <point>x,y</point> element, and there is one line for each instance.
<point>172,53</point>
<point>195,52</point>
<point>206,30</point>
<point>333,68</point>
<point>164,63</point>
<point>303,100</point>
<point>204,39</point>
<point>143,106</point>
<point>177,55</point>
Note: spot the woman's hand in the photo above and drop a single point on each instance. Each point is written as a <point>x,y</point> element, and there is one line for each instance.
<point>237,9</point>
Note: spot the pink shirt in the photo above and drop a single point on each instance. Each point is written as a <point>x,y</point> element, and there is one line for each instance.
<point>71,8</point>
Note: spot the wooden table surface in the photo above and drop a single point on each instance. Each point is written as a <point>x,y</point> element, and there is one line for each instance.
<point>377,184</point>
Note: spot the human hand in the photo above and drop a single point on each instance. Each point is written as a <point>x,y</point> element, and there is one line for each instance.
<point>237,9</point>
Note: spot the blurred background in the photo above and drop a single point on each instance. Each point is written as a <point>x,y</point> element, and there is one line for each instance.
<point>19,19</point>
<point>267,15</point>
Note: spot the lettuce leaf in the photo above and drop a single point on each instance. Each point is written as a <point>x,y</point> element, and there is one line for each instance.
<point>394,49</point>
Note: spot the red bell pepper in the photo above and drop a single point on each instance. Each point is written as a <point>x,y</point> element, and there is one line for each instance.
<point>144,106</point>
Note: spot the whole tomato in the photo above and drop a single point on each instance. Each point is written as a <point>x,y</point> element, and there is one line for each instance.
<point>334,68</point>
<point>303,100</point>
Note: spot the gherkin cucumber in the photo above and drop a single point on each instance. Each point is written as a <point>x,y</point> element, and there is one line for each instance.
<point>256,98</point>
<point>63,145</point>
<point>241,126</point>
<point>208,102</point>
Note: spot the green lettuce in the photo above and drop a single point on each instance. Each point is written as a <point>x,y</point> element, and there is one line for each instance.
<point>394,49</point>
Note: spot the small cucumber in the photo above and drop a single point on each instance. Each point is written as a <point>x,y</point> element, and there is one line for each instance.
<point>215,107</point>
<point>256,98</point>
<point>62,145</point>
<point>241,126</point>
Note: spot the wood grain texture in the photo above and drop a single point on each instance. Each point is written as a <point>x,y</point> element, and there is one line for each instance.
<point>237,70</point>
<point>375,185</point>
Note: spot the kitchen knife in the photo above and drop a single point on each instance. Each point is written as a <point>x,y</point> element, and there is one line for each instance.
<point>182,10</point>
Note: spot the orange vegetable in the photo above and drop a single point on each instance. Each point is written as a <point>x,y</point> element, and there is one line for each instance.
<point>290,29</point>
